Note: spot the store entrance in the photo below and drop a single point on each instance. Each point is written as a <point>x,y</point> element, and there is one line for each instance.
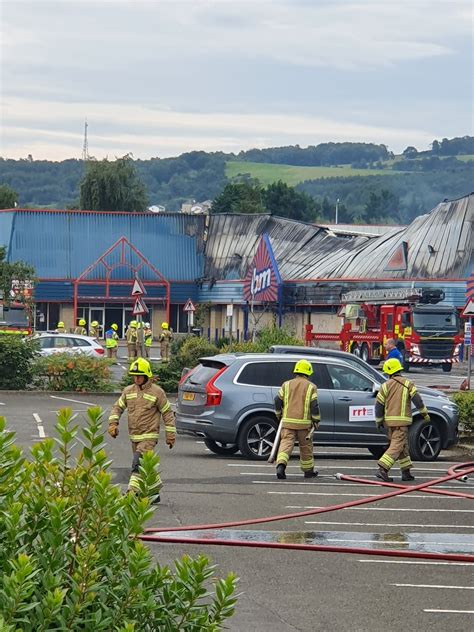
<point>114,315</point>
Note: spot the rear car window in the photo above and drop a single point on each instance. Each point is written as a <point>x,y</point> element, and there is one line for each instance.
<point>275,373</point>
<point>202,374</point>
<point>80,342</point>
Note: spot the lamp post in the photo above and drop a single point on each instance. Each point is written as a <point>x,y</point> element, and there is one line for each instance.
<point>337,209</point>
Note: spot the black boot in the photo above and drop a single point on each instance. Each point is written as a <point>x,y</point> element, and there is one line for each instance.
<point>281,471</point>
<point>383,475</point>
<point>311,474</point>
<point>407,475</point>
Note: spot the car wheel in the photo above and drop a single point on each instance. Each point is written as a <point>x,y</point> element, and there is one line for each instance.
<point>256,437</point>
<point>424,441</point>
<point>219,447</point>
<point>447,367</point>
<point>364,353</point>
<point>377,450</point>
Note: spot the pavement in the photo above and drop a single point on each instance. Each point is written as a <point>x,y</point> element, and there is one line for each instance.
<point>301,590</point>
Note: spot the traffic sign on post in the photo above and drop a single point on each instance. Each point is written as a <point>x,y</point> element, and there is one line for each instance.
<point>189,307</point>
<point>139,307</point>
<point>469,309</point>
<point>138,288</point>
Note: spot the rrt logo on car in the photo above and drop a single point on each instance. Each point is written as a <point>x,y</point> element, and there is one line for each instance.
<point>361,413</point>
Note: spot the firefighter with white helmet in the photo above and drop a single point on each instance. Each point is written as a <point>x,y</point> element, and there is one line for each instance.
<point>166,337</point>
<point>393,410</point>
<point>297,407</point>
<point>147,405</point>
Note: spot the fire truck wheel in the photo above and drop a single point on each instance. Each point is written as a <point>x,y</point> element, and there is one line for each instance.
<point>355,350</point>
<point>364,353</point>
<point>447,367</point>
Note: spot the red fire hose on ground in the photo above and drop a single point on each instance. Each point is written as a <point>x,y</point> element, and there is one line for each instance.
<point>460,472</point>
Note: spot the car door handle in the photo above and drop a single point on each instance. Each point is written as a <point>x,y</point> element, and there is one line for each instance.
<point>345,399</point>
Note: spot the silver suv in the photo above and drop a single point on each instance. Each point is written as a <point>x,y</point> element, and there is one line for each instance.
<point>228,399</point>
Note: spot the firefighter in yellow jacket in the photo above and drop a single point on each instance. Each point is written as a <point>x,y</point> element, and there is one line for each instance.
<point>393,410</point>
<point>297,406</point>
<point>131,336</point>
<point>166,337</point>
<point>146,404</point>
<point>81,328</point>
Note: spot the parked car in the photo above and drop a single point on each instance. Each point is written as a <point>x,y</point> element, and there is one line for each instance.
<point>228,399</point>
<point>51,343</point>
<point>353,360</point>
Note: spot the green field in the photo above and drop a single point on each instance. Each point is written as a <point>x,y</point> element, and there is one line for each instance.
<point>268,173</point>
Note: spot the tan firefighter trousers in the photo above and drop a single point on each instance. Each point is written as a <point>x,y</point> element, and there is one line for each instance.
<point>397,450</point>
<point>287,442</point>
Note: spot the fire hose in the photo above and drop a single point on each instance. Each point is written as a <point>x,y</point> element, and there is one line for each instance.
<point>460,472</point>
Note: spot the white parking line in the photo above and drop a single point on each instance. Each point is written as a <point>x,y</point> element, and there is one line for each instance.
<point>39,422</point>
<point>449,611</point>
<point>433,586</point>
<point>331,476</point>
<point>405,496</point>
<point>343,467</point>
<point>2,404</point>
<point>373,542</point>
<point>394,524</point>
<point>76,401</point>
<point>124,368</point>
<point>419,562</point>
<point>382,508</point>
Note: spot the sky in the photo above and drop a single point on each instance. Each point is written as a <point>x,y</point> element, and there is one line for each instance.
<point>158,78</point>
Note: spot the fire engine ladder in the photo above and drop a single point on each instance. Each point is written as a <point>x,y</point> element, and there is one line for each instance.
<point>394,296</point>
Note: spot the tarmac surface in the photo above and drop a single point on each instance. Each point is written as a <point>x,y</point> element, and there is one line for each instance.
<point>301,590</point>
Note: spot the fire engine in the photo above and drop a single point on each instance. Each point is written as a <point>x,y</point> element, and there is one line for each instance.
<point>14,319</point>
<point>427,331</point>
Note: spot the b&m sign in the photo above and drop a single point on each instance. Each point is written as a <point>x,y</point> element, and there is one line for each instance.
<point>263,280</point>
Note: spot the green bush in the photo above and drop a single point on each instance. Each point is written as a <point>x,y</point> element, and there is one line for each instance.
<point>71,558</point>
<point>16,361</point>
<point>266,337</point>
<point>465,402</point>
<point>192,349</point>
<point>66,372</point>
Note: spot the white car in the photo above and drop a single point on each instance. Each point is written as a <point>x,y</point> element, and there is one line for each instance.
<point>51,343</point>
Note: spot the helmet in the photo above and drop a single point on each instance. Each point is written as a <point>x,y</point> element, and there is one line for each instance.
<point>391,366</point>
<point>132,323</point>
<point>140,367</point>
<point>147,325</point>
<point>60,324</point>
<point>303,367</point>
<point>94,323</point>
<point>164,325</point>
<point>114,327</point>
<point>82,322</point>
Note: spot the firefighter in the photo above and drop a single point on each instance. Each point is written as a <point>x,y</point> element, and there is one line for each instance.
<point>94,329</point>
<point>148,339</point>
<point>146,404</point>
<point>60,329</point>
<point>296,405</point>
<point>111,341</point>
<point>132,337</point>
<point>166,337</point>
<point>393,410</point>
<point>81,328</point>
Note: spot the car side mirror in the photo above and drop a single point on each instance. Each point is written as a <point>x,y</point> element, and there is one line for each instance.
<point>375,389</point>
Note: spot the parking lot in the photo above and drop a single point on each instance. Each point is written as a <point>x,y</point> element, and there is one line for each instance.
<point>298,590</point>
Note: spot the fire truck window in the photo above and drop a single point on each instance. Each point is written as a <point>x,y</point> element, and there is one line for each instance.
<point>344,379</point>
<point>389,322</point>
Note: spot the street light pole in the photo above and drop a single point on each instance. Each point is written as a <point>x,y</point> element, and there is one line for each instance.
<point>337,209</point>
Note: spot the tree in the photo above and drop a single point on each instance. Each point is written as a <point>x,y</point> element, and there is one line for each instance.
<point>112,186</point>
<point>283,200</point>
<point>410,152</point>
<point>8,197</point>
<point>19,272</point>
<point>240,197</point>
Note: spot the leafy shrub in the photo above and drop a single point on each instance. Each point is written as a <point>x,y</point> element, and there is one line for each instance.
<point>70,551</point>
<point>16,356</point>
<point>266,337</point>
<point>192,349</point>
<point>64,372</point>
<point>465,402</point>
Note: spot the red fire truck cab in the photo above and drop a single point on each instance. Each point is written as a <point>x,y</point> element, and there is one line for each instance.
<point>427,331</point>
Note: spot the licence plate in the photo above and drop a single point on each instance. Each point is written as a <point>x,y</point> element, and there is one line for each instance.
<point>188,396</point>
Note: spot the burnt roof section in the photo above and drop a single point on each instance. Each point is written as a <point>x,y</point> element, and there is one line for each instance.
<point>439,245</point>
